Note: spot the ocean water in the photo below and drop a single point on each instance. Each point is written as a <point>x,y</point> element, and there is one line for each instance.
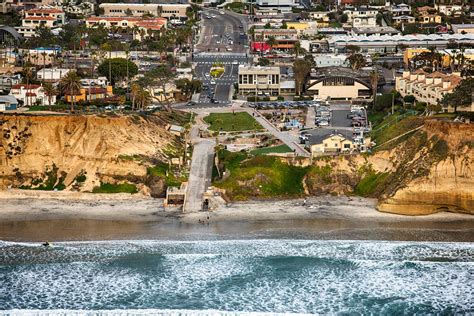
<point>237,277</point>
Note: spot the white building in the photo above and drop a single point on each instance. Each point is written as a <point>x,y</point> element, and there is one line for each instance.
<point>31,94</point>
<point>361,17</point>
<point>282,5</point>
<point>400,9</point>
<point>330,60</point>
<point>449,9</point>
<point>45,16</point>
<point>52,74</point>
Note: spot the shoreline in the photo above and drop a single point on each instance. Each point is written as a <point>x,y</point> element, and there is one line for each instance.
<point>39,216</point>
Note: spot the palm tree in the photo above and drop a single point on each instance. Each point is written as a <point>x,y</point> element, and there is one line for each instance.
<point>107,48</point>
<point>297,49</point>
<point>71,85</point>
<point>28,74</point>
<point>50,91</point>
<point>374,81</point>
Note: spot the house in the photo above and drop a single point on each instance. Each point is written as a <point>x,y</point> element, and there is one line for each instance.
<point>45,16</point>
<point>90,94</point>
<point>8,103</point>
<point>330,60</point>
<point>403,19</point>
<point>361,17</point>
<point>164,10</point>
<point>339,83</point>
<point>257,80</point>
<point>31,94</point>
<point>427,87</point>
<point>400,9</point>
<point>449,9</point>
<point>285,39</point>
<point>332,142</point>
<point>430,18</point>
<point>43,56</point>
<point>78,8</point>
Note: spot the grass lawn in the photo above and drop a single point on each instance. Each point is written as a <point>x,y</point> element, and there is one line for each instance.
<point>115,188</point>
<point>270,150</point>
<point>230,122</point>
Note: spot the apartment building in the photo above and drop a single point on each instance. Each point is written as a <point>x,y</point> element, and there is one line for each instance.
<point>165,10</point>
<point>285,38</point>
<point>45,16</point>
<point>259,81</point>
<point>282,5</point>
<point>427,87</point>
<point>462,28</point>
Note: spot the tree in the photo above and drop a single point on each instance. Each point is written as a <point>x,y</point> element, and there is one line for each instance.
<point>27,73</point>
<point>271,41</point>
<point>188,87</point>
<point>50,91</point>
<point>309,58</point>
<point>71,84</point>
<point>352,49</point>
<point>263,61</point>
<point>344,18</point>
<point>161,76</point>
<point>461,95</point>
<point>115,69</point>
<point>374,82</point>
<point>356,61</point>
<point>297,49</point>
<point>97,36</point>
<point>301,69</point>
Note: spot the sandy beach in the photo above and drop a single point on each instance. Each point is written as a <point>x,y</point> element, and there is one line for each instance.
<point>33,215</point>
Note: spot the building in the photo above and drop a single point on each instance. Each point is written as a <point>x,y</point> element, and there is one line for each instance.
<point>51,74</point>
<point>8,103</point>
<point>403,19</point>
<point>400,9</point>
<point>91,94</point>
<point>164,10</point>
<point>79,8</point>
<point>31,4</point>
<point>42,55</point>
<point>390,44</point>
<point>426,87</point>
<point>430,18</point>
<point>462,28</point>
<point>259,81</point>
<point>449,56</point>
<point>449,9</point>
<point>359,13</point>
<point>31,94</point>
<point>370,31</point>
<point>285,39</point>
<point>282,5</point>
<point>141,26</point>
<point>330,60</point>
<point>45,16</point>
<point>333,142</point>
<point>338,83</point>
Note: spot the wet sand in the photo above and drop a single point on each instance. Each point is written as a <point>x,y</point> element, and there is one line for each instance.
<point>52,217</point>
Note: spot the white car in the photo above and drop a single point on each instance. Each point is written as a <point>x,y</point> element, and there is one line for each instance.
<point>213,81</point>
<point>207,75</point>
<point>222,12</point>
<point>229,49</point>
<point>235,62</point>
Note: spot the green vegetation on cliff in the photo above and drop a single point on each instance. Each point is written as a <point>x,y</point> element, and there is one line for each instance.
<point>259,177</point>
<point>115,188</point>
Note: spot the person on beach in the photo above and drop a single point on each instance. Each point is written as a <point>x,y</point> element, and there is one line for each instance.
<point>304,202</point>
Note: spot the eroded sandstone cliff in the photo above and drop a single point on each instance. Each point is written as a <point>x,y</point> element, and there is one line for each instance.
<point>425,172</point>
<point>79,152</point>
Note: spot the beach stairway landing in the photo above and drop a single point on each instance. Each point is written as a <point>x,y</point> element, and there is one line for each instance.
<point>200,175</point>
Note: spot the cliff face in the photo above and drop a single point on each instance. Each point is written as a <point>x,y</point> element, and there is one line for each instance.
<point>427,171</point>
<point>79,152</point>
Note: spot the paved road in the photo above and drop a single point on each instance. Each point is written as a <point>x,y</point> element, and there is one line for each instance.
<point>199,175</point>
<point>310,117</point>
<point>223,39</point>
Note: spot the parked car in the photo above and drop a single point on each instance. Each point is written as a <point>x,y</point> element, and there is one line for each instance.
<point>191,103</point>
